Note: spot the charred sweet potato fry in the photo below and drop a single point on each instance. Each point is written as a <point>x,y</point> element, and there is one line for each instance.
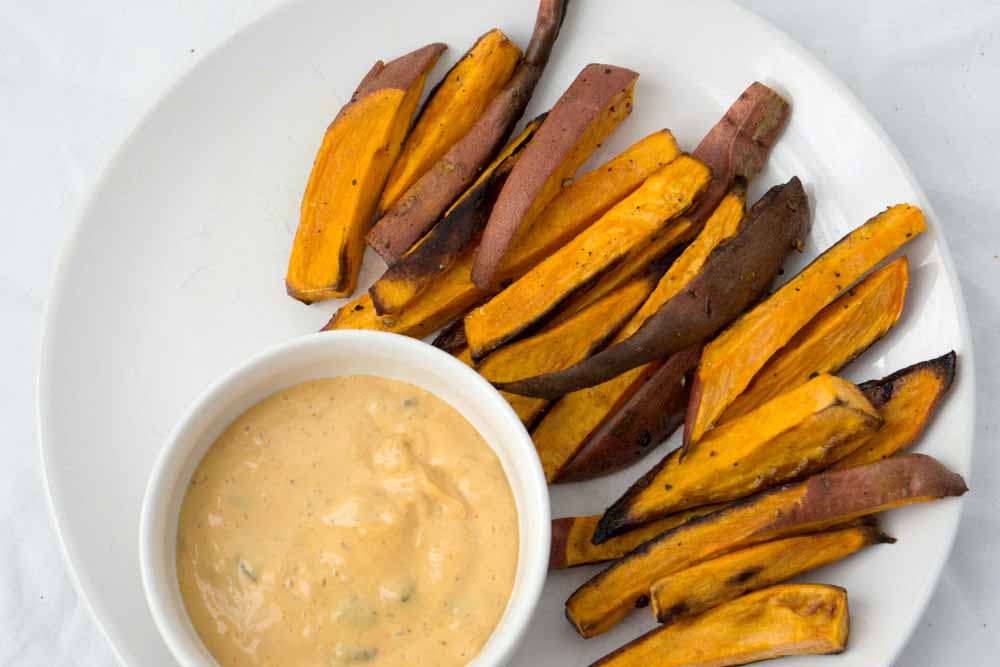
<point>824,500</point>
<point>575,208</point>
<point>838,334</point>
<point>648,418</point>
<point>906,400</point>
<point>791,619</point>
<point>463,222</point>
<point>692,591</point>
<point>733,276</point>
<point>568,342</point>
<point>452,337</point>
<point>452,108</point>
<point>567,427</point>
<point>730,361</point>
<point>595,103</point>
<point>423,202</point>
<point>797,433</point>
<point>571,545</point>
<point>659,203</point>
<point>354,160</point>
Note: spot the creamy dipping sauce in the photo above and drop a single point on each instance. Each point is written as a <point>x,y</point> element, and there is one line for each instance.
<point>348,521</point>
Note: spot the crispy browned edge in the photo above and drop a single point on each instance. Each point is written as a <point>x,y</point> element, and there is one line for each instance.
<point>735,275</point>
<point>880,392</point>
<point>648,418</point>
<point>423,202</point>
<point>451,338</point>
<point>592,90</point>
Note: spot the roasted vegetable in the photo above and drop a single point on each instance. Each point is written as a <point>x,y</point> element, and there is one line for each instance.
<point>577,206</point>
<point>429,197</point>
<point>792,619</point>
<point>452,108</point>
<point>452,337</point>
<point>571,545</point>
<point>906,400</point>
<point>536,295</point>
<point>692,591</point>
<point>566,343</point>
<point>647,419</point>
<point>462,223</point>
<point>797,433</point>
<point>565,430</point>
<point>595,103</point>
<point>838,334</point>
<point>350,170</point>
<point>822,501</point>
<point>735,275</point>
<point>730,361</point>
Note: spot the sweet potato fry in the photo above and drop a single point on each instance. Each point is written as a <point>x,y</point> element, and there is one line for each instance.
<point>576,417</point>
<point>791,619</point>
<point>597,101</point>
<point>796,434</point>
<point>571,545</point>
<point>576,207</point>
<point>648,418</point>
<point>463,222</point>
<point>452,337</point>
<point>354,160</point>
<point>838,334</point>
<point>906,400</point>
<point>735,275</point>
<point>423,202</point>
<point>824,500</point>
<point>568,342</point>
<point>452,108</point>
<point>730,361</point>
<point>713,582</point>
<point>659,203</point>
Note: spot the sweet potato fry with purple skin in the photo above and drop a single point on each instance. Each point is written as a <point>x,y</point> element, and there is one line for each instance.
<point>424,202</point>
<point>436,252</point>
<point>647,419</point>
<point>825,499</point>
<point>451,339</point>
<point>906,400</point>
<point>736,275</point>
<point>591,108</point>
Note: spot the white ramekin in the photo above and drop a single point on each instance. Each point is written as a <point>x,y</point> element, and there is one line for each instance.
<point>330,354</point>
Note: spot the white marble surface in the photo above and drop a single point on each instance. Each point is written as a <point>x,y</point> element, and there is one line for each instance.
<point>76,77</point>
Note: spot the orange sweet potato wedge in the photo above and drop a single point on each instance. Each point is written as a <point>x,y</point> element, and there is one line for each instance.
<point>350,170</point>
<point>566,343</point>
<point>832,339</point>
<point>713,582</point>
<point>597,101</point>
<point>736,274</point>
<point>648,418</point>
<point>730,362</point>
<point>534,297</point>
<point>452,108</point>
<point>790,619</point>
<point>796,434</point>
<point>462,223</point>
<point>823,500</point>
<point>575,208</point>
<point>906,400</point>
<point>571,545</point>
<point>423,203</point>
<point>576,417</point>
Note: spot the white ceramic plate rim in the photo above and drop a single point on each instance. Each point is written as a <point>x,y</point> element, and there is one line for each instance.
<point>819,70</point>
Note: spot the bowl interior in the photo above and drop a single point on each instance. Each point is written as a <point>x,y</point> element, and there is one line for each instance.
<point>329,355</point>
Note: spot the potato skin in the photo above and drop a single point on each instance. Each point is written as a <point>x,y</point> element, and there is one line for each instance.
<point>736,275</point>
<point>591,108</point>
<point>647,419</point>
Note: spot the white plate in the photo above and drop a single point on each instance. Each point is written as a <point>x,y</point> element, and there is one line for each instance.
<point>175,272</point>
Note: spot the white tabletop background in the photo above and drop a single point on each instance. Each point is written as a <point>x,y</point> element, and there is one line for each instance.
<point>76,77</point>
